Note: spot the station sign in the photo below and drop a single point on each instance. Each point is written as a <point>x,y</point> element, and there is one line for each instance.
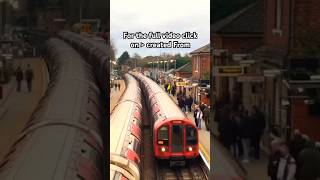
<point>250,79</point>
<point>229,71</point>
<point>181,83</point>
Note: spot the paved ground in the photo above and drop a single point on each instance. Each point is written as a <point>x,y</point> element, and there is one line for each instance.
<point>115,95</point>
<point>18,106</point>
<point>256,169</point>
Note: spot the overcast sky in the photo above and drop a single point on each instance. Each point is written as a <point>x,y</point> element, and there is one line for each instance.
<point>159,15</point>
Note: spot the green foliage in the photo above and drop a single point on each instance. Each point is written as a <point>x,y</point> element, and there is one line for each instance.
<point>123,59</point>
<point>182,60</point>
<point>224,8</point>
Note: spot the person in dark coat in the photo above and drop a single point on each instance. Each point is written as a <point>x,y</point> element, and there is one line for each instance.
<point>206,116</point>
<point>29,77</point>
<point>180,102</point>
<point>245,135</point>
<point>19,77</point>
<point>179,95</point>
<point>274,158</point>
<point>188,104</point>
<point>173,89</point>
<point>309,163</point>
<point>166,87</point>
<point>196,109</point>
<point>296,146</point>
<point>225,128</point>
<point>258,126</point>
<point>202,106</point>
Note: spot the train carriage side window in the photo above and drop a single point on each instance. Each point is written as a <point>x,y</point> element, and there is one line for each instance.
<point>191,135</point>
<point>163,136</point>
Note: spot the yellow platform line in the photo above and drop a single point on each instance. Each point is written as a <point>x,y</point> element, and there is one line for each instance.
<point>202,149</point>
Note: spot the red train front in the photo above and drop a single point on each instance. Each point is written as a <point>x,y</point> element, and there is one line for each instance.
<point>175,137</point>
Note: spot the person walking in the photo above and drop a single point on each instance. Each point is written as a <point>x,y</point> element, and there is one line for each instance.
<point>258,126</point>
<point>19,77</point>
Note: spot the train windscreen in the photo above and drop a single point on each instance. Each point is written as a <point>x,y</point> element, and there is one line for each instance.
<point>177,138</point>
<point>163,136</point>
<point>191,135</point>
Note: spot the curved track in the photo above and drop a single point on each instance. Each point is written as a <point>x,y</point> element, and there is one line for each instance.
<point>62,139</point>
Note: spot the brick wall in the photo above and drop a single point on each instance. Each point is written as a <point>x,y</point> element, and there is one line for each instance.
<point>302,120</point>
<point>204,66</point>
<point>306,19</point>
<point>272,39</point>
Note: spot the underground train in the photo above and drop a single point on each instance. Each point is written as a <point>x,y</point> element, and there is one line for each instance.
<point>62,139</point>
<point>125,130</point>
<point>175,137</point>
<point>95,51</point>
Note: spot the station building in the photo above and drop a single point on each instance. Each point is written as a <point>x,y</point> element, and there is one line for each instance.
<point>201,61</point>
<point>266,55</point>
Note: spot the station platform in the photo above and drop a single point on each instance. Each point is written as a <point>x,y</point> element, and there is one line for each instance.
<point>17,107</point>
<point>115,95</point>
<point>204,146</point>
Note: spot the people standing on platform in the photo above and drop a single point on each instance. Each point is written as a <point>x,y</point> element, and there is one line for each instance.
<point>225,127</point>
<point>169,88</point>
<point>199,117</point>
<point>119,86</point>
<point>274,158</point>
<point>173,89</point>
<point>29,77</point>
<point>190,102</point>
<point>287,165</point>
<point>245,134</point>
<point>206,116</point>
<point>181,102</point>
<point>236,145</point>
<point>179,96</point>
<point>195,112</point>
<point>19,77</point>
<point>202,106</point>
<point>258,126</point>
<point>166,87</point>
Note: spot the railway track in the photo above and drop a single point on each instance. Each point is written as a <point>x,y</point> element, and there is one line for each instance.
<point>194,170</point>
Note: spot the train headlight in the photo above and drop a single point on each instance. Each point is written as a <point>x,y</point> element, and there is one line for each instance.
<point>163,149</point>
<point>190,148</point>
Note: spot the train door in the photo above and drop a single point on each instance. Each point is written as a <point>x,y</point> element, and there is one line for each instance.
<point>177,138</point>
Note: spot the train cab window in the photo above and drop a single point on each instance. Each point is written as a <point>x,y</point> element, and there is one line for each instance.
<point>191,135</point>
<point>177,138</point>
<point>163,136</point>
